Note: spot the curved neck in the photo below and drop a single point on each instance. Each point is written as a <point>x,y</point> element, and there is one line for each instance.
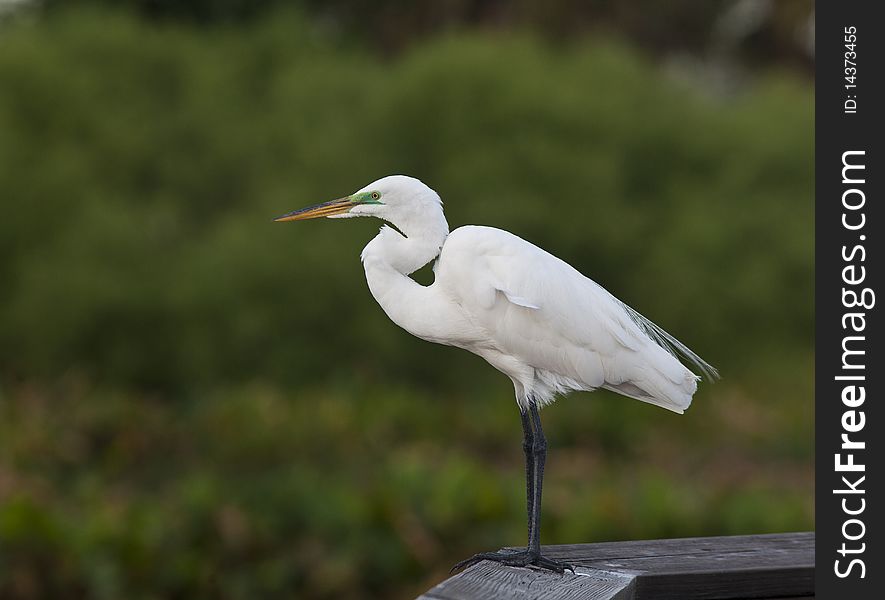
<point>421,243</point>
<point>389,259</point>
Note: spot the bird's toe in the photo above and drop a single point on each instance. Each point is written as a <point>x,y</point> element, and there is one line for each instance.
<point>516,558</point>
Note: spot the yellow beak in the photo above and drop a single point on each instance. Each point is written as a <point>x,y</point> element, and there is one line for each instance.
<point>326,209</point>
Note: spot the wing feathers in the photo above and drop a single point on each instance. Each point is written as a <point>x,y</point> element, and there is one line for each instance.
<point>519,300</point>
<point>670,343</point>
<point>574,335</point>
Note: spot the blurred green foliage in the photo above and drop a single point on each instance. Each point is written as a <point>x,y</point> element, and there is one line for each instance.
<point>748,33</point>
<point>197,402</point>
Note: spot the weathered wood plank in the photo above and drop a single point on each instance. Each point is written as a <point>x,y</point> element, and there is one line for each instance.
<point>736,567</point>
<point>488,580</point>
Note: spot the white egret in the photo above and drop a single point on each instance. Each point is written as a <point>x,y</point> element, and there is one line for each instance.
<point>530,315</point>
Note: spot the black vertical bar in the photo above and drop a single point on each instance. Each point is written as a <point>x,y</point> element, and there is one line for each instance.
<point>848,113</point>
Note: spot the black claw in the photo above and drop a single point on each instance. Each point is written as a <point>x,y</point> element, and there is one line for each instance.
<point>514,558</point>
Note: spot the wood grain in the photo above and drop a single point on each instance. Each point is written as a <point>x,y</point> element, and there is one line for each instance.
<point>736,567</point>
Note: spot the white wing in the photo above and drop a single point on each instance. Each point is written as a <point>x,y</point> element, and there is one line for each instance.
<point>540,312</point>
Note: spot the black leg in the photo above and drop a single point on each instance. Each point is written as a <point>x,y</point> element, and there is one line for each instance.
<point>528,439</point>
<point>534,445</point>
<point>539,456</point>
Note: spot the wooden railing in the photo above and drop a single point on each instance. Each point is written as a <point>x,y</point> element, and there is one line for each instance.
<point>776,566</point>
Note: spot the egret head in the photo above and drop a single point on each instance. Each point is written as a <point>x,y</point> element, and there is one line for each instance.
<point>398,199</point>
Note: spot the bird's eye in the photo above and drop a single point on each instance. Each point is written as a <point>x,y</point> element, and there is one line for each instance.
<point>375,195</point>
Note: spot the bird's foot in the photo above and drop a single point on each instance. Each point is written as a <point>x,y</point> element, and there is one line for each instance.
<point>516,558</point>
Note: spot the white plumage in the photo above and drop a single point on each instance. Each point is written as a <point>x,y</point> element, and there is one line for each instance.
<point>529,314</point>
<point>550,328</point>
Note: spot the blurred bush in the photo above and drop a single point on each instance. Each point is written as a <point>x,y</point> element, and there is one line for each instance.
<point>197,402</point>
<point>740,32</point>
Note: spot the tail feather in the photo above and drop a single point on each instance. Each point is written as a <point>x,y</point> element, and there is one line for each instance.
<point>676,399</point>
<point>671,344</point>
<point>659,379</point>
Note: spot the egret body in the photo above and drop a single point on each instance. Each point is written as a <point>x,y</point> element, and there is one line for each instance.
<point>530,315</point>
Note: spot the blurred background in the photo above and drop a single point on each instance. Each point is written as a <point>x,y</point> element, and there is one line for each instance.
<point>198,403</point>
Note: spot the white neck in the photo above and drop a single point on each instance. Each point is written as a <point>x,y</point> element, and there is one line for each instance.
<point>390,257</point>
